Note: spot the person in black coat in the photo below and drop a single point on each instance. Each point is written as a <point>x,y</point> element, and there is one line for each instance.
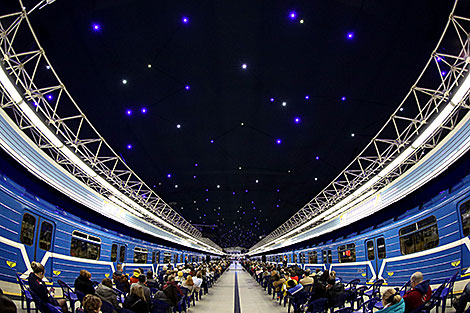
<point>37,286</point>
<point>135,301</point>
<point>84,284</point>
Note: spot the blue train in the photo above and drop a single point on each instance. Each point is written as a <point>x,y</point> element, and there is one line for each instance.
<point>34,230</point>
<point>432,238</point>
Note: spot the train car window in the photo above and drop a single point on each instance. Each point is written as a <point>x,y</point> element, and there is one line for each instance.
<point>295,258</point>
<point>312,257</point>
<point>140,255</point>
<point>465,214</point>
<point>166,257</point>
<point>419,236</point>
<point>27,229</point>
<point>45,236</point>
<point>181,258</point>
<point>122,254</point>
<point>330,257</point>
<point>85,246</point>
<point>381,248</point>
<point>347,253</point>
<point>153,256</point>
<point>113,252</point>
<point>324,257</point>
<point>157,257</point>
<point>370,250</point>
<point>302,258</point>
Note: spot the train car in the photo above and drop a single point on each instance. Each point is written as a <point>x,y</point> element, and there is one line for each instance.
<point>35,230</point>
<point>432,238</point>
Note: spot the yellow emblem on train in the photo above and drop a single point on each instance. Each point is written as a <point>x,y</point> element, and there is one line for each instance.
<point>390,273</point>
<point>364,274</point>
<point>57,273</point>
<point>106,275</point>
<point>455,263</point>
<point>11,264</point>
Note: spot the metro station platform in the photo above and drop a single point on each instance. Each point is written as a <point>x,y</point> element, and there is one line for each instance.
<point>236,292</point>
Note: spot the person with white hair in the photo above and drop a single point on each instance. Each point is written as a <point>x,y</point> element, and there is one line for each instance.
<point>420,292</point>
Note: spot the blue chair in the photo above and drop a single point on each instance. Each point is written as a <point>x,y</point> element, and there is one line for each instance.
<point>80,296</point>
<point>106,307</point>
<point>298,300</point>
<point>68,293</point>
<point>317,306</point>
<point>351,286</point>
<point>448,289</point>
<point>44,307</point>
<point>25,295</point>
<point>159,306</point>
<point>368,306</point>
<point>358,296</point>
<point>338,302</point>
<point>405,288</point>
<point>121,295</point>
<point>374,290</point>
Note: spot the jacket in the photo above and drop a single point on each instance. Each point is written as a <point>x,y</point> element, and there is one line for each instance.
<point>395,308</point>
<point>84,285</point>
<point>135,304</point>
<point>107,294</point>
<point>417,296</point>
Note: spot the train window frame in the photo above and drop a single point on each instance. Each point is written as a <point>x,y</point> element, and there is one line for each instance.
<point>370,257</point>
<point>415,240</point>
<point>166,257</point>
<point>465,218</point>
<point>139,253</point>
<point>302,257</point>
<point>122,253</point>
<point>153,256</point>
<point>157,256</point>
<point>324,257</point>
<point>90,242</point>
<point>381,254</point>
<point>312,257</point>
<point>46,241</point>
<point>114,246</point>
<point>294,258</point>
<point>29,240</point>
<point>330,257</point>
<point>342,253</point>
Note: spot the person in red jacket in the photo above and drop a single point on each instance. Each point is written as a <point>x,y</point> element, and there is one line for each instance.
<point>420,292</point>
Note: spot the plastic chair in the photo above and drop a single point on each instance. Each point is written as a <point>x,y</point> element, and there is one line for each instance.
<point>298,300</point>
<point>317,306</point>
<point>368,306</point>
<point>121,295</point>
<point>159,306</point>
<point>44,307</point>
<point>339,301</point>
<point>68,293</point>
<point>80,296</point>
<point>358,296</point>
<point>374,290</point>
<point>449,288</point>
<point>405,288</point>
<point>106,307</point>
<point>352,284</point>
<point>25,295</point>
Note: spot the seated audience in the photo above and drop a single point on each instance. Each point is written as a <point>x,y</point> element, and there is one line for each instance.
<point>461,303</point>
<point>106,292</point>
<point>189,284</point>
<point>392,302</point>
<point>420,292</point>
<point>91,304</point>
<point>278,282</point>
<point>84,284</point>
<point>39,288</point>
<point>135,276</point>
<point>135,301</point>
<point>306,279</point>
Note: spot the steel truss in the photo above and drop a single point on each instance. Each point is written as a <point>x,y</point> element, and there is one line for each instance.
<point>445,70</point>
<point>25,61</point>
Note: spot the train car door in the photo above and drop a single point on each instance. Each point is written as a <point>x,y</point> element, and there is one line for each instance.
<point>118,253</point>
<point>37,235</point>
<point>327,258</point>
<point>375,253</point>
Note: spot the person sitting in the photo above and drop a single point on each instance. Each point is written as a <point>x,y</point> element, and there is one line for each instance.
<point>37,286</point>
<point>172,291</point>
<point>306,279</point>
<point>106,292</point>
<point>151,282</point>
<point>278,282</point>
<point>179,278</point>
<point>461,303</point>
<point>293,288</point>
<point>7,305</point>
<point>420,292</point>
<point>84,284</point>
<point>135,277</point>
<point>189,284</point>
<point>392,302</point>
<point>91,304</point>
<point>142,281</point>
<point>135,301</point>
